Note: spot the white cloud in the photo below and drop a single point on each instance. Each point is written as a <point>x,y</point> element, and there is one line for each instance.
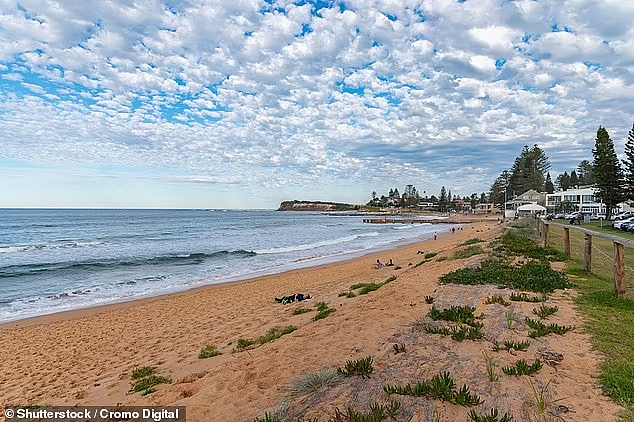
<point>239,91</point>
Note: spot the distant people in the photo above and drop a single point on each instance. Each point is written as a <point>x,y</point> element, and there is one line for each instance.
<point>453,230</point>
<point>378,264</point>
<point>434,235</point>
<point>390,263</point>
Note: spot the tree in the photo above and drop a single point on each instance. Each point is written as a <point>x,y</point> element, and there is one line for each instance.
<point>449,200</point>
<point>499,187</point>
<point>548,184</point>
<point>563,181</point>
<point>584,173</point>
<point>529,170</point>
<point>483,198</point>
<point>574,180</point>
<point>607,171</point>
<point>442,201</point>
<point>474,200</point>
<point>410,196</point>
<point>628,184</point>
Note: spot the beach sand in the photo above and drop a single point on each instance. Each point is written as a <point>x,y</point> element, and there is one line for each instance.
<point>86,357</point>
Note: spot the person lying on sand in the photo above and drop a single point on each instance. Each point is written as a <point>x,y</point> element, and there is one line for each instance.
<point>290,299</point>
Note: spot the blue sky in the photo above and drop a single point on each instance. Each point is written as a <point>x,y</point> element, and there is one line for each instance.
<point>243,104</point>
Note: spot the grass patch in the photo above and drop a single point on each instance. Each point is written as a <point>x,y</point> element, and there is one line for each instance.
<point>440,387</point>
<point>430,255</point>
<point>471,242</point>
<point>459,333</point>
<point>515,243</point>
<point>533,276</point>
<point>299,311</point>
<point>142,372</point>
<point>610,322</point>
<point>523,368</point>
<point>469,251</point>
<point>144,380</point>
<point>271,335</point>
<point>323,311</point>
<point>441,259</point>
<point>362,367</point>
<point>366,288</point>
<point>315,382</point>
<point>377,413</point>
<point>208,351</point>
<point>491,366</point>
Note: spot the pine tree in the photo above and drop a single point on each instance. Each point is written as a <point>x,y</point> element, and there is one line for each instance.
<point>574,180</point>
<point>442,201</point>
<point>529,170</point>
<point>584,173</point>
<point>548,184</point>
<point>628,184</point>
<point>607,171</point>
<point>563,181</point>
<point>499,187</point>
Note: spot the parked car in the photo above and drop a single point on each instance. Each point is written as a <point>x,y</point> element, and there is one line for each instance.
<point>559,215</point>
<point>617,224</point>
<point>626,226</point>
<point>572,215</point>
<point>623,215</point>
<point>597,216</point>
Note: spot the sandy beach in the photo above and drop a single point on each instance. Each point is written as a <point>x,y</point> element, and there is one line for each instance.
<point>86,357</point>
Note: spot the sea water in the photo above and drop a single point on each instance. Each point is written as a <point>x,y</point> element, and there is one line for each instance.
<point>56,260</point>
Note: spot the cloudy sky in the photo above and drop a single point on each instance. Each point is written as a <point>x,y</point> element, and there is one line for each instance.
<point>244,103</point>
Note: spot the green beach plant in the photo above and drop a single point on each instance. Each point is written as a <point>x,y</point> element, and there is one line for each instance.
<point>323,311</point>
<point>523,297</point>
<point>496,299</point>
<point>144,379</point>
<point>491,366</point>
<point>440,387</point>
<point>523,368</point>
<point>142,372</point>
<point>511,317</point>
<point>362,367</point>
<point>545,311</point>
<point>540,329</point>
<point>493,416</point>
<point>521,346</point>
<point>471,242</point>
<point>299,311</point>
<point>208,351</point>
<point>429,299</point>
<point>469,251</point>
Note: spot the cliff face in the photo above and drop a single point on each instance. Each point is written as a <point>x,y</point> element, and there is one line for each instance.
<point>314,206</point>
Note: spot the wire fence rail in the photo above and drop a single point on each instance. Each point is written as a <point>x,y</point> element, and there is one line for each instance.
<point>601,253</point>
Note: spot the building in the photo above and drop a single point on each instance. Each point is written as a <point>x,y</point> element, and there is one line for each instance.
<point>531,196</point>
<point>582,199</point>
<point>487,208</point>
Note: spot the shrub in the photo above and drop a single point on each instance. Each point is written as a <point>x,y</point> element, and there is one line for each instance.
<point>471,242</point>
<point>314,382</point>
<point>143,372</point>
<point>458,314</point>
<point>496,299</point>
<point>523,297</point>
<point>145,379</point>
<point>323,311</point>
<point>540,329</point>
<point>208,351</point>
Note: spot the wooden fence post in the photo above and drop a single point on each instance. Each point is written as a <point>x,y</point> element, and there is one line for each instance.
<point>619,270</point>
<point>545,235</point>
<point>567,241</point>
<point>587,253</point>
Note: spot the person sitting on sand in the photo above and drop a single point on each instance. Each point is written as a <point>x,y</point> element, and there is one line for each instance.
<point>390,264</point>
<point>378,264</point>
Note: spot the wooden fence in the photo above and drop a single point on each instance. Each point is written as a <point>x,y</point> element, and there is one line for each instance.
<point>618,249</point>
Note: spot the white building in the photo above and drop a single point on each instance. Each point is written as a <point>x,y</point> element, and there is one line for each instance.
<point>583,199</point>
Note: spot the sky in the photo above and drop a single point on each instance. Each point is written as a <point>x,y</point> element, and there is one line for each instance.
<point>244,104</point>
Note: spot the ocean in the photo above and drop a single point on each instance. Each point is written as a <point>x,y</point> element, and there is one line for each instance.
<point>53,260</point>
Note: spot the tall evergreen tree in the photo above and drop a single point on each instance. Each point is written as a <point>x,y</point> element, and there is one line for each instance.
<point>563,181</point>
<point>449,200</point>
<point>628,184</point>
<point>607,171</point>
<point>574,180</point>
<point>584,173</point>
<point>548,184</point>
<point>529,170</point>
<point>442,201</point>
<point>499,187</point>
